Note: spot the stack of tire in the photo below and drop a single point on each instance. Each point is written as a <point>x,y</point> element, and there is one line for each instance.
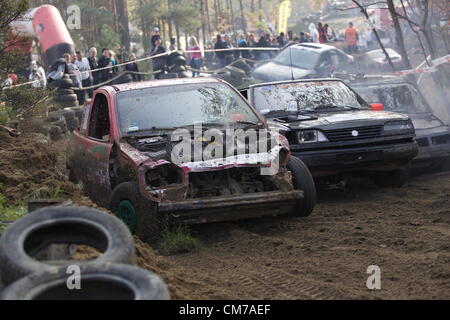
<point>64,96</point>
<point>176,66</point>
<point>110,276</point>
<point>63,121</point>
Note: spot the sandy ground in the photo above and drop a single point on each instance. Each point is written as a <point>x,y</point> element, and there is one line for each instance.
<point>406,232</point>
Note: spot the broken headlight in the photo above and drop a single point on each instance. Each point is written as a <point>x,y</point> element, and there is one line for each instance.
<point>164,175</point>
<point>311,136</point>
<point>393,128</point>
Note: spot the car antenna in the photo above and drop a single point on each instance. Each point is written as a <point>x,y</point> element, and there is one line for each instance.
<point>290,56</point>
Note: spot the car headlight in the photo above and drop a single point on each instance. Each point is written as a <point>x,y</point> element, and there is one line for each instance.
<point>398,128</point>
<point>311,136</point>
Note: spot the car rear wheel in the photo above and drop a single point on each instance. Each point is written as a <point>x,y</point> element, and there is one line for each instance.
<point>141,216</point>
<point>302,180</point>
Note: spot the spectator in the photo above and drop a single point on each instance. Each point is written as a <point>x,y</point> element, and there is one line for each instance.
<point>112,58</point>
<point>86,76</point>
<point>220,55</point>
<point>263,43</point>
<point>173,44</point>
<point>37,74</point>
<point>229,54</point>
<point>322,34</point>
<point>104,62</point>
<point>93,64</point>
<point>133,67</point>
<point>351,39</point>
<point>75,75</point>
<point>281,41</point>
<point>155,36</point>
<point>313,33</point>
<point>195,58</point>
<point>57,70</point>
<point>303,38</point>
<point>160,62</point>
<point>242,43</point>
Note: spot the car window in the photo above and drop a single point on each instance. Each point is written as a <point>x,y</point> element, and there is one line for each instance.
<point>305,96</point>
<point>99,124</point>
<point>298,57</point>
<point>177,106</point>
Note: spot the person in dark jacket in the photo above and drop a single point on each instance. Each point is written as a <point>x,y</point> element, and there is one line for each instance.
<point>105,61</point>
<point>220,55</point>
<point>263,43</point>
<point>93,64</point>
<point>133,67</point>
<point>160,62</point>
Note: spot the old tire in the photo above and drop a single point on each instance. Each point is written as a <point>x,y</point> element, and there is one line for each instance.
<point>177,68</point>
<point>392,179</point>
<point>302,180</point>
<point>63,92</point>
<point>69,97</point>
<point>105,281</point>
<point>140,216</point>
<point>64,225</point>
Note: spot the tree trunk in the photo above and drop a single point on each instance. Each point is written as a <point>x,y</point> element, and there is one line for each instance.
<point>399,34</point>
<point>208,19</point>
<point>124,31</point>
<point>244,25</point>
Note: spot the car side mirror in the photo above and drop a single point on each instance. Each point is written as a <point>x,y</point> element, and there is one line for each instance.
<point>377,106</point>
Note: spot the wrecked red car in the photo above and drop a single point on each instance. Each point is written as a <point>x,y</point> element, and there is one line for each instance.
<point>158,153</point>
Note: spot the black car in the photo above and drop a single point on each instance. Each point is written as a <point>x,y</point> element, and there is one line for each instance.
<point>305,61</point>
<point>397,94</point>
<point>334,131</point>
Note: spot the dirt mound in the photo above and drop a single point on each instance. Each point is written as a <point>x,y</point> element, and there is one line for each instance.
<point>31,165</point>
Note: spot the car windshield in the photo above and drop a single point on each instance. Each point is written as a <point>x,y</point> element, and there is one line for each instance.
<point>297,57</point>
<point>175,106</point>
<point>306,96</point>
<point>395,97</point>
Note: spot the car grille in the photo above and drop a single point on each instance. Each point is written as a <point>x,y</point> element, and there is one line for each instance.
<point>358,133</point>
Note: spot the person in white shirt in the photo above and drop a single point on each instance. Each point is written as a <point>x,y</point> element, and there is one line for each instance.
<point>86,75</point>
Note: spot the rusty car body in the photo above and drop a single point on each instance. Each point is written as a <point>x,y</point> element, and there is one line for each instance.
<point>106,154</point>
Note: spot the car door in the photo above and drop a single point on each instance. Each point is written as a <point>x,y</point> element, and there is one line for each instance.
<point>91,149</point>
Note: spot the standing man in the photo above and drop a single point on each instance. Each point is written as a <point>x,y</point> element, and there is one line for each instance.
<point>220,55</point>
<point>105,61</point>
<point>93,64</point>
<point>86,76</point>
<point>160,62</point>
<point>351,39</point>
<point>75,75</point>
<point>155,36</point>
<point>281,41</point>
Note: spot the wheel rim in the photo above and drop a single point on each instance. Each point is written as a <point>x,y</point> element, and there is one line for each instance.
<point>127,213</point>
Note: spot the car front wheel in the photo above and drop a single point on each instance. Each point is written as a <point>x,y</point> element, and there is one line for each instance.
<point>302,180</point>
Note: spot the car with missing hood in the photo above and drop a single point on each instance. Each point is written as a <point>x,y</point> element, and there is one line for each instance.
<point>133,155</point>
<point>304,61</point>
<point>334,131</point>
<point>398,95</point>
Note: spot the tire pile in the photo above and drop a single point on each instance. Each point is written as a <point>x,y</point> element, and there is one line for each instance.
<point>176,66</point>
<point>109,277</point>
<point>68,118</point>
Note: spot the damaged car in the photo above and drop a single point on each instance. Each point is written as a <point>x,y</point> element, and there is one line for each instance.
<point>397,94</point>
<point>335,132</point>
<point>144,151</point>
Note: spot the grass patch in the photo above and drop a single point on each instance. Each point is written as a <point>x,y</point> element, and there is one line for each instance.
<point>9,213</point>
<point>178,240</point>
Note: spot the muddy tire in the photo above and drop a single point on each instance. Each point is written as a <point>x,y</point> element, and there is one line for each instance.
<point>66,98</point>
<point>72,124</point>
<point>105,281</point>
<point>78,112</point>
<point>139,215</point>
<point>303,180</point>
<point>177,68</point>
<point>33,233</point>
<point>183,74</point>
<point>63,92</point>
<point>391,179</point>
<point>62,84</point>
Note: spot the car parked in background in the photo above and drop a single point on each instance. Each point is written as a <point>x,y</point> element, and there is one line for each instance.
<point>397,94</point>
<point>377,60</point>
<point>334,131</point>
<point>124,152</point>
<point>305,60</point>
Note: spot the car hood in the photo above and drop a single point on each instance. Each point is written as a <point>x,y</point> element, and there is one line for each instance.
<point>271,71</point>
<point>425,121</point>
<point>340,119</point>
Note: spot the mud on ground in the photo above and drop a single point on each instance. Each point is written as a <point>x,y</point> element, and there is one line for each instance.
<point>405,231</point>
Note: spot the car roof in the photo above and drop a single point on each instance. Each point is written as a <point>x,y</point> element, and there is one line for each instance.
<point>315,46</point>
<point>377,79</point>
<point>163,82</point>
<point>291,81</point>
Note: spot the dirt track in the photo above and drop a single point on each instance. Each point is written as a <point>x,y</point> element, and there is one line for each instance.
<point>406,232</point>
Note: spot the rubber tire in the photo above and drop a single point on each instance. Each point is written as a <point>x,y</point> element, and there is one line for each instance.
<point>183,74</point>
<point>177,69</point>
<point>71,97</point>
<point>78,112</point>
<point>62,83</point>
<point>64,225</point>
<point>54,116</point>
<point>69,114</point>
<point>391,179</point>
<point>64,92</point>
<point>149,224</point>
<point>302,180</point>
<point>68,104</point>
<point>73,124</point>
<point>137,282</point>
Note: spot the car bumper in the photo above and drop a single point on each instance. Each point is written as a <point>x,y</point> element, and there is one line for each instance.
<point>366,158</point>
<point>433,146</point>
<point>230,207</point>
